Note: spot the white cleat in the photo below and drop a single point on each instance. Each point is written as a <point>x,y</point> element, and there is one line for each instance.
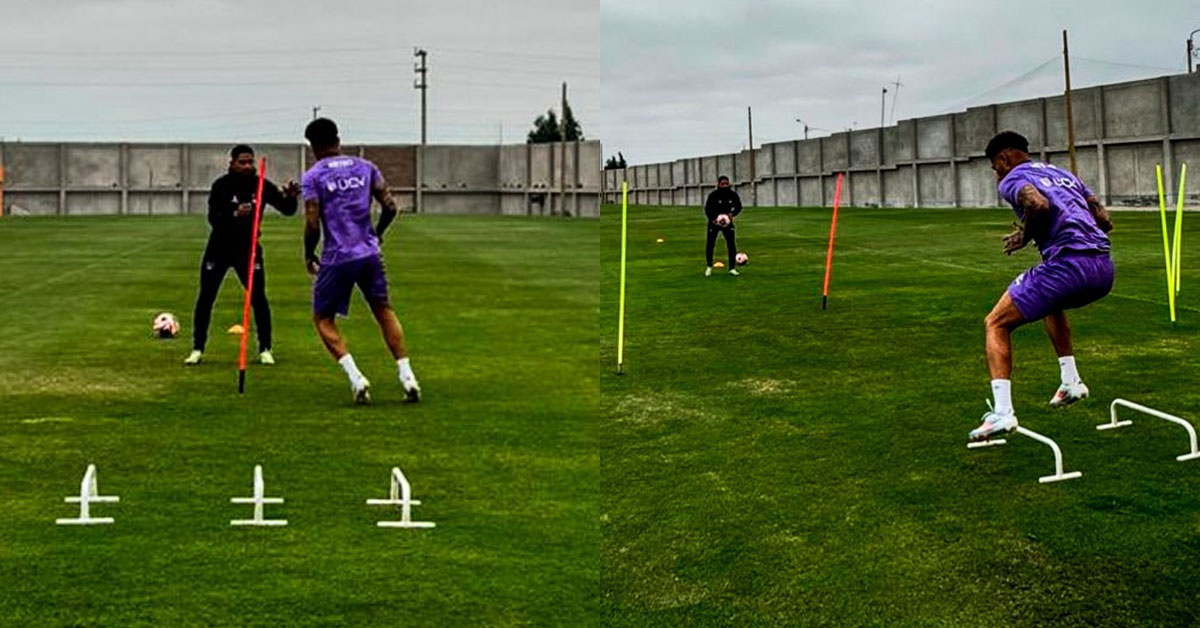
<point>708,272</point>
<point>734,272</point>
<point>411,389</point>
<point>193,358</point>
<point>994,424</point>
<point>1068,394</point>
<point>362,393</point>
<point>266,358</point>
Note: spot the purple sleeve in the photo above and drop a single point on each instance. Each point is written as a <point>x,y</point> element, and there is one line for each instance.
<point>308,187</point>
<point>1010,186</point>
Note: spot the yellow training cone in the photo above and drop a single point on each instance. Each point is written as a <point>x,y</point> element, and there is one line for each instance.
<point>236,329</point>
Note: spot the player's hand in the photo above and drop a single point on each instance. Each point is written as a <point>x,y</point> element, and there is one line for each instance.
<point>313,266</point>
<point>292,189</point>
<point>1015,241</point>
<point>243,209</point>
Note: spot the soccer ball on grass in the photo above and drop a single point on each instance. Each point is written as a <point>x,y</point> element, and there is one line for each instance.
<point>165,325</point>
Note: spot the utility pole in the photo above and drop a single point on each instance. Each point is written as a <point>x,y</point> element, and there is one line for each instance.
<point>805,127</point>
<point>1191,48</point>
<point>895,96</point>
<point>562,164</point>
<point>421,83</point>
<point>316,110</point>
<point>1070,118</point>
<point>882,102</point>
<point>753,172</point>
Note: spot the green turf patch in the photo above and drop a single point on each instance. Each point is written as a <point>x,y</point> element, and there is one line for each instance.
<point>500,314</point>
<point>771,463</point>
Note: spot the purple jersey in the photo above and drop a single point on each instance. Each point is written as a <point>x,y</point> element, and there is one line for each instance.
<point>342,185</point>
<point>1072,226</point>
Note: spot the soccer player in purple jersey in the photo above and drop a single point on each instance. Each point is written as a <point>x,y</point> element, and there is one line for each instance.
<point>337,193</point>
<point>1070,226</point>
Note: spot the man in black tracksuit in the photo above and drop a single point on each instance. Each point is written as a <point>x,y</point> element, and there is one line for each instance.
<point>722,200</point>
<point>231,216</point>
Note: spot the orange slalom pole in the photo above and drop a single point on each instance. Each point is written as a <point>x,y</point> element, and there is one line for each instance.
<point>262,173</point>
<point>837,199</point>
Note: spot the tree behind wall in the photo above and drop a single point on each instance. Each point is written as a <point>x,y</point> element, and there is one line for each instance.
<point>546,128</point>
<point>615,163</point>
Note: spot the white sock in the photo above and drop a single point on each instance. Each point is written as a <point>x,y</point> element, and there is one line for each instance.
<point>1067,366</point>
<point>405,369</point>
<point>1002,394</point>
<point>348,365</point>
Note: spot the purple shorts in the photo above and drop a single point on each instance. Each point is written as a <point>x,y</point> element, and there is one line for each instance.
<point>335,283</point>
<point>1068,281</point>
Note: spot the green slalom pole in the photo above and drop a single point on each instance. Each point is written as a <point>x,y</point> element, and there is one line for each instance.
<point>1177,250</point>
<point>621,315</point>
<point>1162,212</point>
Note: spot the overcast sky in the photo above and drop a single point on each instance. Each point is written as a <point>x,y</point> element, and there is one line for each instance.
<point>679,74</point>
<point>225,70</point>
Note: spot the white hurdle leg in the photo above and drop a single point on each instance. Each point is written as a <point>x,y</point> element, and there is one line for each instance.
<point>1058,463</point>
<point>400,494</point>
<point>258,500</point>
<point>88,493</point>
<point>1193,454</point>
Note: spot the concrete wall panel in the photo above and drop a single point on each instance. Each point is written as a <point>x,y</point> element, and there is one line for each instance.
<point>864,148</point>
<point>866,189</point>
<point>33,203</point>
<point>933,138</point>
<point>93,165</point>
<point>1024,117</point>
<point>155,167</point>
<point>786,195</point>
<point>1185,103</point>
<point>897,187</point>
<point>155,203</point>
<point>31,165</point>
<point>1133,109</point>
<point>1083,108</point>
<point>976,183</point>
<point>937,186</point>
<point>810,192</point>
<point>809,154</point>
<point>834,152</point>
<point>972,130</point>
<point>785,158</point>
<point>93,203</point>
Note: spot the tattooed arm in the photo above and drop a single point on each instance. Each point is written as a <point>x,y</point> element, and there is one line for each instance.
<point>1103,220</point>
<point>389,210</point>
<point>1036,210</point>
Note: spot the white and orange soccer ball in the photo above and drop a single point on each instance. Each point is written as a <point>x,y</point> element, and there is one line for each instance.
<point>723,220</point>
<point>165,325</point>
<point>742,259</point>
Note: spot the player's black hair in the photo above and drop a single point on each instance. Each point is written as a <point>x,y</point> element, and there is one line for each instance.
<point>1005,140</point>
<point>321,132</point>
<point>241,149</point>
<point>722,178</point>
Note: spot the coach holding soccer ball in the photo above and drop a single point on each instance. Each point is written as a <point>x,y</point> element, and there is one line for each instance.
<point>722,206</point>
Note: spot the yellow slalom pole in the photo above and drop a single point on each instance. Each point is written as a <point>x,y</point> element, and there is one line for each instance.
<point>1162,212</point>
<point>1177,250</point>
<point>621,316</point>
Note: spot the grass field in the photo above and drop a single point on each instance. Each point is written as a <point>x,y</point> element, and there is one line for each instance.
<point>501,319</point>
<point>770,463</point>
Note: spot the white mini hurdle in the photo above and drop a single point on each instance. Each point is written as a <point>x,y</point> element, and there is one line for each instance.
<point>1058,463</point>
<point>88,494</point>
<point>400,495</point>
<point>258,500</point>
<point>1114,423</point>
